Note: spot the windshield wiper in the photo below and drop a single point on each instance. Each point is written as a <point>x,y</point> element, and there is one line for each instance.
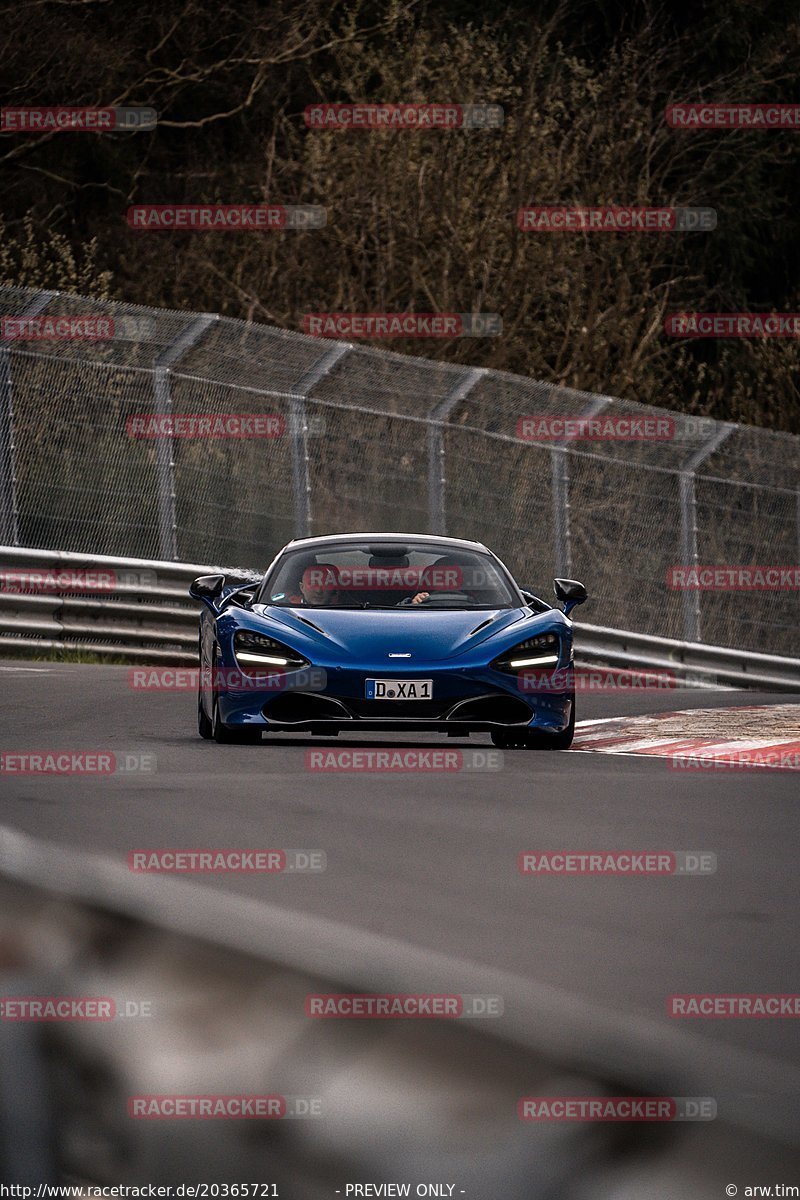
<point>323,607</point>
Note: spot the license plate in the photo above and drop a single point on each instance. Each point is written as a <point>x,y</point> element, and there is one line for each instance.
<point>399,689</point>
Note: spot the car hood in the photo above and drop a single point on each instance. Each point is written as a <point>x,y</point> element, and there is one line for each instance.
<point>426,635</point>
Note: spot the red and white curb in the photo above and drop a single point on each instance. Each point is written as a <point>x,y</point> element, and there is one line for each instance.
<point>651,736</point>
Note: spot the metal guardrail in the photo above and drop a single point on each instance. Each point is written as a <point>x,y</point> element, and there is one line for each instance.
<point>142,612</point>
<point>692,663</point>
<point>145,614</point>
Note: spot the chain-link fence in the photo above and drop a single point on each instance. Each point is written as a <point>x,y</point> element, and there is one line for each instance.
<point>364,440</point>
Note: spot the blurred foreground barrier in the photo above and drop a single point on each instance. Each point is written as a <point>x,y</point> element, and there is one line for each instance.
<point>211,991</point>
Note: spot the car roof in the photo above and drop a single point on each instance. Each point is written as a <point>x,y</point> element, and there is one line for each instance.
<point>428,538</point>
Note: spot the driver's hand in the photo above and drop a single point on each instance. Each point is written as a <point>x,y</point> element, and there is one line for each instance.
<point>420,596</point>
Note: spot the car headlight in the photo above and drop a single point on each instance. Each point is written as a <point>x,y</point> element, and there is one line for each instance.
<point>254,650</point>
<point>541,651</point>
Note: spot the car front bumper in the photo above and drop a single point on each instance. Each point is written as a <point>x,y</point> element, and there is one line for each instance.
<point>464,700</point>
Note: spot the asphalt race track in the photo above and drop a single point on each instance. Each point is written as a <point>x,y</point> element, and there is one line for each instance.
<point>431,858</point>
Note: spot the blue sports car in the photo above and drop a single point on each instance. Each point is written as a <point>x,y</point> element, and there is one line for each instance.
<point>387,631</point>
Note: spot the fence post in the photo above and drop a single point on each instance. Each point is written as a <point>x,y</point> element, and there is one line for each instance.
<point>301,480</point>
<point>689,552</point>
<point>165,460</point>
<point>559,475</point>
<point>437,478</point>
<point>9,510</point>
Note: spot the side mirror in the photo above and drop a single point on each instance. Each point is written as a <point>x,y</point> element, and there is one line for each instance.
<point>570,592</point>
<point>207,587</point>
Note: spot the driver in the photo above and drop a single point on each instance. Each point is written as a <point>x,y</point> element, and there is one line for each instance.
<point>318,586</point>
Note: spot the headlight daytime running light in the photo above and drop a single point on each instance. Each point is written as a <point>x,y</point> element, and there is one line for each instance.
<point>257,649</point>
<point>544,650</point>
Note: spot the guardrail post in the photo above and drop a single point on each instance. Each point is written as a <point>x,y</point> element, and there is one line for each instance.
<point>301,479</point>
<point>559,475</point>
<point>9,511</point>
<point>559,482</point>
<point>689,553</point>
<point>437,478</point>
<point>165,460</point>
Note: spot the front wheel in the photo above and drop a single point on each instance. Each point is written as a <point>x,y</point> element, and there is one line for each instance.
<point>232,735</point>
<point>536,739</point>
<point>557,741</point>
<point>511,739</point>
<point>204,726</point>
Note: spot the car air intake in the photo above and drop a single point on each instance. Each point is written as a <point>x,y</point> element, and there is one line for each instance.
<point>293,708</point>
<point>503,710</point>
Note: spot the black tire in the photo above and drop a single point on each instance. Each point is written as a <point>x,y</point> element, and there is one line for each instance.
<point>556,741</point>
<point>232,735</point>
<point>511,739</point>
<point>534,739</point>
<point>204,726</point>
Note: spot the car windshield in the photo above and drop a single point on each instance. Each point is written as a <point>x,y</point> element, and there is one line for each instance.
<point>418,576</point>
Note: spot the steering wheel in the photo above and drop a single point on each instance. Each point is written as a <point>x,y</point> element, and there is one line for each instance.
<point>432,598</point>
